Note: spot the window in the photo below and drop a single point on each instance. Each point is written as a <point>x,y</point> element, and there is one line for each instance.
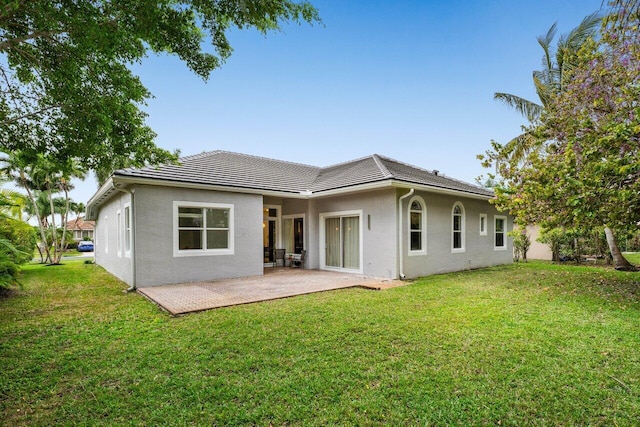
<point>483,224</point>
<point>500,231</point>
<point>127,230</point>
<point>119,232</point>
<point>203,229</point>
<point>417,227</point>
<point>106,234</point>
<point>458,228</point>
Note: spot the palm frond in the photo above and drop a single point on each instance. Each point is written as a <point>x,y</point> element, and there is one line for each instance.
<point>587,29</point>
<point>521,146</point>
<point>545,44</point>
<point>526,108</point>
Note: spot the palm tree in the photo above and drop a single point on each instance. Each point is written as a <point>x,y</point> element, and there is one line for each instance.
<point>42,177</point>
<point>549,81</point>
<point>20,166</point>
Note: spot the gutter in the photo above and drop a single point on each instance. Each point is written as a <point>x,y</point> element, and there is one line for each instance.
<point>400,232</point>
<point>132,287</point>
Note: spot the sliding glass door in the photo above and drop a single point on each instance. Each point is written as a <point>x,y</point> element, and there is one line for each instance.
<point>342,241</point>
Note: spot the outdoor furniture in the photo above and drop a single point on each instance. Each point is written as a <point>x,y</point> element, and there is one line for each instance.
<point>278,260</point>
<point>297,260</point>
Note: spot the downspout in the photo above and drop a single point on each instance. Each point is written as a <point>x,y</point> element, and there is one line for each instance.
<point>132,287</point>
<point>401,233</point>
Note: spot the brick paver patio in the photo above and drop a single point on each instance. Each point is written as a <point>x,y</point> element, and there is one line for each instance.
<point>274,284</point>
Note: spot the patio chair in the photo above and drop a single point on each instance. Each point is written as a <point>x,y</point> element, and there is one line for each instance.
<point>298,262</point>
<point>278,260</point>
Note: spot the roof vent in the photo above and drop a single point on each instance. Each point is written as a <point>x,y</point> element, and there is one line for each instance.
<point>436,172</point>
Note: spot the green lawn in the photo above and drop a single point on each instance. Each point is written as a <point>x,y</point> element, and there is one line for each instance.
<point>528,344</point>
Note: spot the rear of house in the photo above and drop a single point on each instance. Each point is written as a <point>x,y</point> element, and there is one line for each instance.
<point>222,215</point>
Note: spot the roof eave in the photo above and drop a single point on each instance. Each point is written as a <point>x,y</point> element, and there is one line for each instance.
<point>116,181</point>
<point>398,184</point>
<point>126,180</point>
<point>104,193</point>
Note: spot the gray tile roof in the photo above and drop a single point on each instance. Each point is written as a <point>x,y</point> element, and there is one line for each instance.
<point>223,168</point>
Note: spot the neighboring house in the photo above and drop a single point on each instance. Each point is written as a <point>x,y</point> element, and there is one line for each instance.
<point>221,214</point>
<point>82,230</point>
<point>538,250</point>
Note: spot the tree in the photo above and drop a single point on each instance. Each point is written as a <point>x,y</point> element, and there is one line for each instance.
<point>521,243</point>
<point>42,178</point>
<point>17,241</point>
<point>586,171</point>
<point>66,87</point>
<point>549,81</point>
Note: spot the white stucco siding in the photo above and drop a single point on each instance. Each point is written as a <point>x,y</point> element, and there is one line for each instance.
<point>108,254</point>
<point>379,229</point>
<point>478,250</point>
<point>156,263</point>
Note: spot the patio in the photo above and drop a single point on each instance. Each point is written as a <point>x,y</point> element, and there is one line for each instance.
<point>276,283</point>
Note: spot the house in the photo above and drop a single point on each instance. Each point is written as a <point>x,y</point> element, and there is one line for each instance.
<point>82,229</point>
<point>220,215</point>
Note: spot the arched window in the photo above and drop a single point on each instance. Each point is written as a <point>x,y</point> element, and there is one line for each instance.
<point>457,238</point>
<point>417,227</point>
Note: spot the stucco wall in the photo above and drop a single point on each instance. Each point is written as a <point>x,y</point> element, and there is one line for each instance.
<point>479,249</point>
<point>155,260</point>
<point>537,250</point>
<point>378,229</point>
<point>105,241</point>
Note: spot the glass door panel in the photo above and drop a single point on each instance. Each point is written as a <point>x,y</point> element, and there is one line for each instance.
<point>332,242</point>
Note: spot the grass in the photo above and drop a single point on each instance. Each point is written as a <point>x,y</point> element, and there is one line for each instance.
<point>527,344</point>
<point>633,257</point>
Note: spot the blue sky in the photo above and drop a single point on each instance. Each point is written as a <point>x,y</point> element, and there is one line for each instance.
<point>412,80</point>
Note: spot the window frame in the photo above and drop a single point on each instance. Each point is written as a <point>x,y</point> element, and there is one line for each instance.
<point>106,234</point>
<point>293,217</point>
<point>504,232</point>
<point>462,228</point>
<point>177,252</point>
<point>483,224</point>
<point>119,233</point>
<point>127,229</point>
<point>422,230</point>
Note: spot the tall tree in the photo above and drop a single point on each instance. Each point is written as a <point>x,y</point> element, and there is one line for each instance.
<point>66,86</point>
<point>587,169</point>
<point>549,81</point>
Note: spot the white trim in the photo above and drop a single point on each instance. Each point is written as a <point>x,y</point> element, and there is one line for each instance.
<point>322,246</point>
<point>463,220</point>
<point>304,230</point>
<point>504,232</point>
<point>278,219</point>
<point>109,187</point>
<point>423,227</point>
<point>127,252</point>
<point>119,233</point>
<point>106,234</point>
<point>483,230</point>
<point>202,252</point>
<point>122,180</point>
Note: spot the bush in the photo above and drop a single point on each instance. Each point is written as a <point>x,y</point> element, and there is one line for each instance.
<point>17,243</point>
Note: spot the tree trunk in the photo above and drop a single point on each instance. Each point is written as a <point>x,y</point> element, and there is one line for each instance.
<point>64,225</point>
<point>619,261</point>
<point>43,236</point>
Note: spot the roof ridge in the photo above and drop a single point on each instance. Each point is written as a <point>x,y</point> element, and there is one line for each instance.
<point>381,166</point>
<point>201,154</point>
<point>359,159</point>
<point>438,174</point>
<point>250,156</point>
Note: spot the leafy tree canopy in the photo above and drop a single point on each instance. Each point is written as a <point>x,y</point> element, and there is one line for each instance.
<point>66,88</point>
<point>586,170</point>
